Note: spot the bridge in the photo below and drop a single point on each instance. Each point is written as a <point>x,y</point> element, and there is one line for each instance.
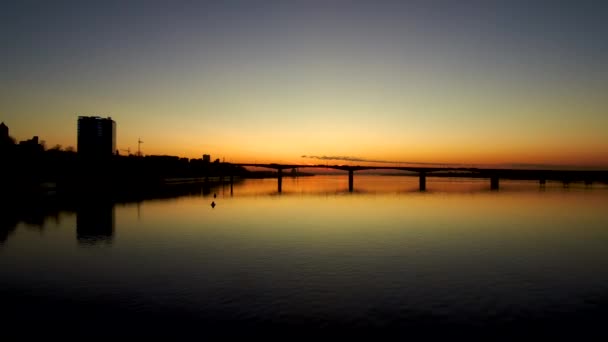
<point>494,175</point>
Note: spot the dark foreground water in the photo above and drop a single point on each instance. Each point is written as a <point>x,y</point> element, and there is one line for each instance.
<point>386,259</point>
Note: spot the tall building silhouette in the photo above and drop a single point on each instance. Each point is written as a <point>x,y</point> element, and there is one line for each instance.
<point>3,131</point>
<point>96,136</point>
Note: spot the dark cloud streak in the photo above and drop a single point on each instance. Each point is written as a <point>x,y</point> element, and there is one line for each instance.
<point>513,165</point>
<point>365,160</point>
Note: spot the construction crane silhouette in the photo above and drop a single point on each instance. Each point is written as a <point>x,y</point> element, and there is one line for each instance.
<point>139,142</point>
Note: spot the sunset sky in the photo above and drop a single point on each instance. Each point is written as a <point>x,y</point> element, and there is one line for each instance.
<point>469,82</point>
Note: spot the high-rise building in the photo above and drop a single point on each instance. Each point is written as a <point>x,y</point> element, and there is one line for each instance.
<point>3,131</point>
<point>206,158</point>
<point>96,136</point>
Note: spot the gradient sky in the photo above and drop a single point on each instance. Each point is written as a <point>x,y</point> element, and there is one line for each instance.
<point>269,81</point>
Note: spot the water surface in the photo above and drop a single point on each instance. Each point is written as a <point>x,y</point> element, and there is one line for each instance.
<point>316,257</point>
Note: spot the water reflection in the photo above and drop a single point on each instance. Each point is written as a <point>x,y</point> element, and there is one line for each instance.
<point>7,227</point>
<point>95,213</point>
<point>95,223</point>
<point>371,184</point>
<point>96,218</point>
<point>35,214</point>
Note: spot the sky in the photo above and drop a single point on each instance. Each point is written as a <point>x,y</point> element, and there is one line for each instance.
<point>461,82</point>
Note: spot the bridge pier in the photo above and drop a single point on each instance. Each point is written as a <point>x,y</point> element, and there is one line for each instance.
<point>422,181</point>
<point>542,176</point>
<point>231,183</point>
<point>494,183</point>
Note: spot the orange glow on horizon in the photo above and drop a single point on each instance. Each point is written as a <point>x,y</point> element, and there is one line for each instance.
<point>580,153</point>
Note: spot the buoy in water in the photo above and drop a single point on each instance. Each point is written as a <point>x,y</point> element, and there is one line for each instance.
<point>212,204</point>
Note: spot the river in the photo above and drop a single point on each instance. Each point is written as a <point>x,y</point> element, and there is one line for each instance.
<point>316,259</point>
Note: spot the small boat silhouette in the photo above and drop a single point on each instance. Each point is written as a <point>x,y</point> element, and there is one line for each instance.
<point>212,204</point>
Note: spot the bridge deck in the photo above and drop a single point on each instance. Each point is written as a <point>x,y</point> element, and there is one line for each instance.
<point>522,174</point>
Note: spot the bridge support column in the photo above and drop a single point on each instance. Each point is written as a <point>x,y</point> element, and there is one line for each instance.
<point>494,183</point>
<point>280,180</point>
<point>231,183</point>
<point>350,180</point>
<point>422,181</point>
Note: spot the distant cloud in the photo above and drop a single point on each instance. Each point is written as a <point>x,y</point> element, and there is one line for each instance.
<point>365,160</point>
<point>403,163</point>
